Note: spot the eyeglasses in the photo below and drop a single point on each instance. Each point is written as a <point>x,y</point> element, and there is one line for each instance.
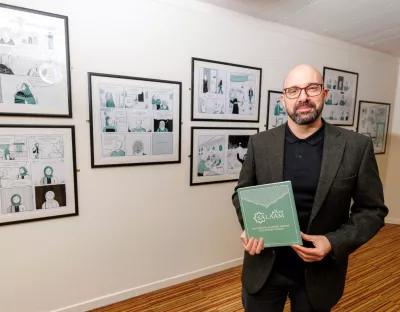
<point>314,89</point>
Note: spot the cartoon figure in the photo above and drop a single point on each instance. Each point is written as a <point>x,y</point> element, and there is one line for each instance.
<point>220,87</point>
<point>205,84</point>
<point>50,201</point>
<point>334,84</point>
<point>329,84</point>
<point>50,41</point>
<point>241,159</point>
<point>240,96</point>
<point>329,100</point>
<point>161,127</point>
<point>342,101</point>
<point>3,176</point>
<point>278,109</point>
<point>48,176</point>
<point>138,148</point>
<point>56,151</point>
<point>164,105</point>
<point>331,117</point>
<point>16,205</point>
<point>6,62</point>
<point>36,150</point>
<point>118,150</point>
<point>6,152</point>
<point>156,102</point>
<point>342,116</point>
<point>24,95</point>
<point>109,100</point>
<point>139,127</point>
<point>346,86</point>
<point>107,119</point>
<point>217,108</point>
<point>347,115</point>
<point>34,71</point>
<point>251,94</point>
<point>23,174</point>
<point>6,37</point>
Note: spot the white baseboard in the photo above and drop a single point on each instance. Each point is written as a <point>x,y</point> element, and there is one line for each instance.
<point>137,291</point>
<point>392,220</point>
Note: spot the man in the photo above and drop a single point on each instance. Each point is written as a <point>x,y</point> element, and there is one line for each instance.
<point>328,166</point>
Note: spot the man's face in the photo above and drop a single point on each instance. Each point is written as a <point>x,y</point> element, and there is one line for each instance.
<point>304,109</point>
<point>138,147</point>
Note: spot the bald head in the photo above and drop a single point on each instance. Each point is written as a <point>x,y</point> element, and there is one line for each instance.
<point>302,75</point>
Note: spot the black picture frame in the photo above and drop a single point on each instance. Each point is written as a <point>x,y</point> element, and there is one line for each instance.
<point>229,116</point>
<point>67,65</point>
<point>373,104</point>
<point>267,123</point>
<point>253,130</point>
<point>74,173</point>
<point>177,125</point>
<point>330,108</point>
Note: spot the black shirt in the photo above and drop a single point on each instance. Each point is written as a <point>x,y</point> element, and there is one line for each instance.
<point>302,166</point>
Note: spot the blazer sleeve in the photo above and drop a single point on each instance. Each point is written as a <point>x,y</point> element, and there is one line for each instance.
<point>247,177</point>
<point>368,211</point>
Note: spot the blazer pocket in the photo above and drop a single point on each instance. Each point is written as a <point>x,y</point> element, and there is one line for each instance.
<point>345,182</point>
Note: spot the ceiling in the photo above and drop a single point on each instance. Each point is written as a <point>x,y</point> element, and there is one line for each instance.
<point>373,24</point>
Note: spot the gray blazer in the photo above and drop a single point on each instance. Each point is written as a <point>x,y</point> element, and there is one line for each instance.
<point>348,171</point>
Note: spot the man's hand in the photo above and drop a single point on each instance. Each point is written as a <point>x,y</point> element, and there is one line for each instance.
<point>321,249</point>
<point>252,246</point>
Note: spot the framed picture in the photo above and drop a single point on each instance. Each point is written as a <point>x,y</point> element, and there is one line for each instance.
<point>276,113</point>
<point>340,105</point>
<point>225,92</point>
<point>218,153</point>
<point>34,64</point>
<point>134,121</point>
<point>37,173</point>
<point>373,121</point>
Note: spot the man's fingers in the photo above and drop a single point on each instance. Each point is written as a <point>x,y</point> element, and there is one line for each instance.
<point>306,237</point>
<point>306,257</point>
<point>254,247</point>
<point>260,245</point>
<point>249,244</point>
<point>310,252</point>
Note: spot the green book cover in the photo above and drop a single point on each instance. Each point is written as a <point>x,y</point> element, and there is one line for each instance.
<point>269,212</point>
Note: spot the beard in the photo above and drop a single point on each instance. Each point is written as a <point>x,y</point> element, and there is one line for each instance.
<point>305,118</point>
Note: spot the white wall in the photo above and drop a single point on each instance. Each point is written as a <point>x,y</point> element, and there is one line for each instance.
<point>392,176</point>
<point>143,228</point>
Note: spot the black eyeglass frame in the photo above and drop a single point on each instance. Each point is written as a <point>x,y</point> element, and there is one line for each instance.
<point>305,90</point>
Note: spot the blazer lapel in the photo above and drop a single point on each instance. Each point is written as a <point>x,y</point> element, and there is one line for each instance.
<point>276,154</point>
<point>334,145</point>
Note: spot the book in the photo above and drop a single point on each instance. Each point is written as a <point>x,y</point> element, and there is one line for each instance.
<point>269,212</point>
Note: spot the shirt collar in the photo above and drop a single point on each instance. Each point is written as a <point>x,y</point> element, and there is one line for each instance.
<point>313,139</point>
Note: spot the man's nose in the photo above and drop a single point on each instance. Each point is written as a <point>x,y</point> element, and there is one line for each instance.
<point>303,96</point>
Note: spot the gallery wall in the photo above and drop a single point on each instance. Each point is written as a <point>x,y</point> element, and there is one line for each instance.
<point>393,172</point>
<point>144,228</point>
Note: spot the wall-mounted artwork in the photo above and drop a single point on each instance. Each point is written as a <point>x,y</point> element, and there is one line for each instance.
<point>340,104</point>
<point>276,113</point>
<point>373,121</point>
<point>218,153</point>
<point>37,173</point>
<point>225,92</point>
<point>134,121</point>
<point>34,63</point>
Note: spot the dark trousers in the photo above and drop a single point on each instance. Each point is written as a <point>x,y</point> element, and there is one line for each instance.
<point>273,295</point>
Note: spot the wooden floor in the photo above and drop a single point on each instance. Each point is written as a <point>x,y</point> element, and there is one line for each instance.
<point>373,285</point>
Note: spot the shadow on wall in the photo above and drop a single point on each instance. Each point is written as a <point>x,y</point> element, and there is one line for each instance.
<point>389,165</point>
